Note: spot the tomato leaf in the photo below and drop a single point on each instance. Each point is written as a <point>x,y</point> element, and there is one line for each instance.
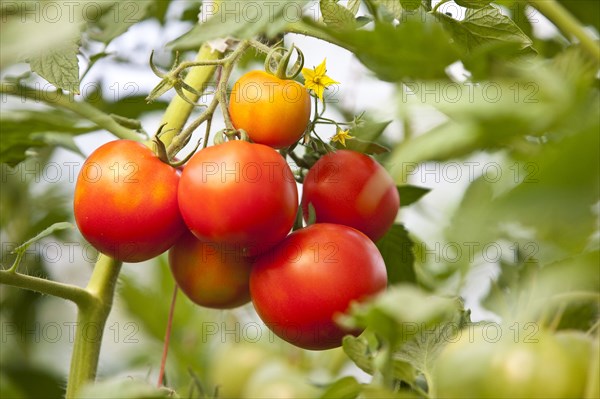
<point>23,130</point>
<point>396,248</point>
<point>236,19</point>
<point>344,388</point>
<point>411,194</point>
<point>410,5</point>
<point>422,350</point>
<point>365,147</point>
<point>486,25</point>
<point>473,3</point>
<point>336,15</point>
<point>353,6</point>
<point>118,18</point>
<point>358,351</point>
<point>396,53</point>
<point>59,66</point>
<point>369,130</point>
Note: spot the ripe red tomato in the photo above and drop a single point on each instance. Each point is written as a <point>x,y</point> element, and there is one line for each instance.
<point>272,111</point>
<point>210,274</point>
<point>126,202</point>
<point>239,193</point>
<point>314,274</point>
<point>350,188</point>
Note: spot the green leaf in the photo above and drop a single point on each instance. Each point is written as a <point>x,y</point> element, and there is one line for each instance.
<point>396,53</point>
<point>358,351</point>
<point>486,25</point>
<point>396,249</point>
<point>369,130</point>
<point>336,15</point>
<point>63,140</point>
<point>392,8</point>
<point>473,3</point>
<point>45,233</point>
<point>353,6</point>
<point>344,388</point>
<point>422,350</point>
<point>411,194</point>
<point>59,66</point>
<point>365,147</point>
<point>235,18</point>
<point>22,130</point>
<point>390,321</point>
<point>115,20</point>
<point>410,5</point>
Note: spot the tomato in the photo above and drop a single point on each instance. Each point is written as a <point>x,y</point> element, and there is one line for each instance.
<point>210,274</point>
<point>350,188</point>
<point>483,364</point>
<point>239,193</point>
<point>272,111</point>
<point>125,202</point>
<point>303,283</point>
<point>277,379</point>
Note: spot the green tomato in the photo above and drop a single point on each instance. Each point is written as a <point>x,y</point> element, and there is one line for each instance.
<point>279,380</point>
<point>478,365</point>
<point>233,366</point>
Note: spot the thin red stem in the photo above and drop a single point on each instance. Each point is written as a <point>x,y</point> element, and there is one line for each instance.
<point>163,361</point>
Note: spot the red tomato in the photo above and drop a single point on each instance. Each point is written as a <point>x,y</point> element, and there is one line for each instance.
<point>126,202</point>
<point>239,193</point>
<point>210,274</point>
<point>272,111</point>
<point>350,188</point>
<point>300,286</point>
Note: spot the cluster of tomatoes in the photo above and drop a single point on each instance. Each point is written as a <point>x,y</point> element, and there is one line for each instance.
<point>227,217</point>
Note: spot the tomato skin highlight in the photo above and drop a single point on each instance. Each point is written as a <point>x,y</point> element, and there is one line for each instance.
<point>299,286</point>
<point>239,193</point>
<point>210,274</point>
<point>273,111</point>
<point>350,188</point>
<point>125,202</point>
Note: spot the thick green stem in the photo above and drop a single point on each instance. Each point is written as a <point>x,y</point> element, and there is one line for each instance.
<point>91,319</point>
<point>179,110</point>
<point>568,24</point>
<point>83,109</point>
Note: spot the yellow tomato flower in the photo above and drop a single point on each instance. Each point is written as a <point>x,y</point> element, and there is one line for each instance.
<point>316,80</point>
<point>341,136</point>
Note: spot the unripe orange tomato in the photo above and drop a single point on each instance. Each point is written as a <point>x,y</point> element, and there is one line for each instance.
<point>125,202</point>
<point>210,274</point>
<point>273,111</point>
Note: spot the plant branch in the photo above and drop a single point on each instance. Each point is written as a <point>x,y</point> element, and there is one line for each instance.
<point>66,291</point>
<point>568,24</point>
<point>179,140</point>
<point>81,108</point>
<point>91,320</point>
<point>179,110</point>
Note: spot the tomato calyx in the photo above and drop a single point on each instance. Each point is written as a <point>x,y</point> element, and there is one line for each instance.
<point>278,59</point>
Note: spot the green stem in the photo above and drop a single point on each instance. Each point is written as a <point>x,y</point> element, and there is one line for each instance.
<point>177,141</point>
<point>83,109</point>
<point>91,320</point>
<point>568,24</point>
<point>66,291</point>
<point>179,110</point>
